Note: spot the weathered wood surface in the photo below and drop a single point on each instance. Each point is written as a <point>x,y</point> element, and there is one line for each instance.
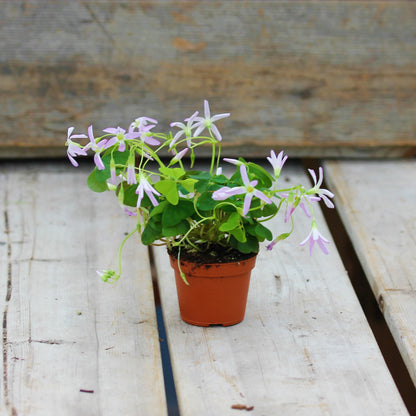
<point>316,78</point>
<point>377,203</point>
<point>304,347</point>
<point>72,345</point>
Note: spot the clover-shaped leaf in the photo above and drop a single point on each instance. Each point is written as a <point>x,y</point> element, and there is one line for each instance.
<point>168,189</point>
<point>232,222</point>
<point>174,173</point>
<point>174,214</point>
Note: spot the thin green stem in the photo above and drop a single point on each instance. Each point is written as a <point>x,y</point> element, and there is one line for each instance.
<point>185,236</point>
<point>212,159</point>
<point>121,248</point>
<point>180,269</point>
<point>219,155</point>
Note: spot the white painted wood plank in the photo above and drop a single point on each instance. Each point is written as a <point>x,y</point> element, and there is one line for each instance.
<point>4,264</point>
<point>304,347</point>
<point>68,331</point>
<point>377,203</point>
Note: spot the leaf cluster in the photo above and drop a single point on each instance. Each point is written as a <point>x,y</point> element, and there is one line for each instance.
<point>187,214</point>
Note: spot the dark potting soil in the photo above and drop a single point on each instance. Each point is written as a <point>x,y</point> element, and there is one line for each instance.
<point>215,254</point>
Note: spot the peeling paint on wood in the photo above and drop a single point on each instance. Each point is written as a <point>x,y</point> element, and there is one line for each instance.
<point>314,78</point>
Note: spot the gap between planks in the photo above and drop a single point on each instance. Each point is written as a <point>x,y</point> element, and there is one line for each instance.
<point>170,390</point>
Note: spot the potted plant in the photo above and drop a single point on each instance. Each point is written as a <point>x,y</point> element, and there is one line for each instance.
<point>212,224</point>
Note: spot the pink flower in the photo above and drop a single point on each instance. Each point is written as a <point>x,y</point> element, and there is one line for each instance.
<point>235,162</point>
<point>142,126</point>
<point>248,189</point>
<point>289,211</point>
<point>113,177</point>
<point>271,245</point>
<point>323,193</point>
<point>74,149</point>
<point>178,156</point>
<point>277,162</point>
<point>185,129</point>
<point>315,237</point>
<point>129,212</point>
<point>120,136</point>
<point>208,122</point>
<point>131,174</point>
<point>145,187</point>
<point>97,148</point>
<point>141,122</point>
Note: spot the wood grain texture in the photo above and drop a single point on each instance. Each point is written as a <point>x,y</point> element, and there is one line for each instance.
<point>316,78</point>
<point>72,345</point>
<point>377,204</point>
<point>304,347</point>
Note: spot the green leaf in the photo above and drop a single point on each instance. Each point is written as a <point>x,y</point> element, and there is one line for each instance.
<point>270,209</point>
<point>174,173</point>
<point>221,179</point>
<point>196,174</point>
<point>189,184</point>
<point>239,234</point>
<point>232,222</point>
<point>120,158</point>
<point>261,174</point>
<point>95,183</point>
<point>267,211</point>
<point>169,189</point>
<point>202,185</point>
<point>129,194</point>
<point>263,232</point>
<point>177,229</point>
<point>251,229</point>
<point>202,180</point>
<point>152,232</point>
<point>250,246</point>
<point>259,231</point>
<point>159,208</point>
<point>205,202</point>
<point>174,214</point>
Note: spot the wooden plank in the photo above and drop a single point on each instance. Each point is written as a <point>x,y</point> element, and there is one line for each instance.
<point>4,266</point>
<point>377,203</point>
<point>304,347</point>
<point>316,78</point>
<point>73,345</point>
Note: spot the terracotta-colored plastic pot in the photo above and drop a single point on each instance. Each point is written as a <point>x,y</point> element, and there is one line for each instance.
<point>216,294</point>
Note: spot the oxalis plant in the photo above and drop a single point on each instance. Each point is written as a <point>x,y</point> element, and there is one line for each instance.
<point>188,209</point>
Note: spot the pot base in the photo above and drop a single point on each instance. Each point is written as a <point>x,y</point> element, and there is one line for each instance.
<point>205,324</point>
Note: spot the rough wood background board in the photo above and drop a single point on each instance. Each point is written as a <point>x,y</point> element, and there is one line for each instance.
<point>304,347</point>
<point>377,203</point>
<point>316,78</point>
<point>72,345</point>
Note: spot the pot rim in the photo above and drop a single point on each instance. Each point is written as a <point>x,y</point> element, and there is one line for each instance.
<point>209,269</point>
<point>253,255</point>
